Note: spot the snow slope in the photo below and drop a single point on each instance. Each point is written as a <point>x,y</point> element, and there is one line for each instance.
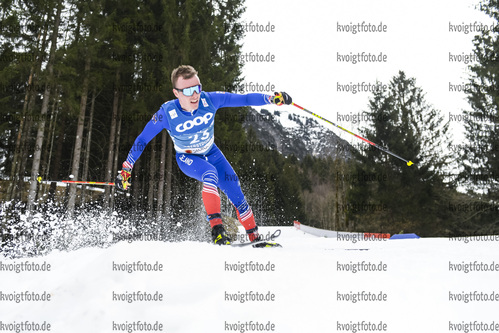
<point>419,285</point>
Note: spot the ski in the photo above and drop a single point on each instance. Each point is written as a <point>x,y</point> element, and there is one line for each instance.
<point>261,243</point>
<point>257,244</point>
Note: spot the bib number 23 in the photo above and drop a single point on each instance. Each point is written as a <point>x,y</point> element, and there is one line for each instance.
<point>205,136</point>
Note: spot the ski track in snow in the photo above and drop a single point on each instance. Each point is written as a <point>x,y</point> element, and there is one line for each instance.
<point>306,284</point>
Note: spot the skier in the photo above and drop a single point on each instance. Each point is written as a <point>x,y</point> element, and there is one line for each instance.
<point>189,120</point>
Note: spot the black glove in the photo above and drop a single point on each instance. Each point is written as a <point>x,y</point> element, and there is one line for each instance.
<point>281,98</point>
<point>122,182</point>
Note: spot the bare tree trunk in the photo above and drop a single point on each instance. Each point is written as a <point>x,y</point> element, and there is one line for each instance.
<point>54,173</point>
<point>24,151</point>
<point>136,186</point>
<point>45,104</point>
<point>110,158</point>
<point>75,169</point>
<point>16,160</point>
<point>49,147</point>
<point>117,150</point>
<point>86,159</point>
<point>168,187</point>
<point>20,167</point>
<point>161,180</point>
<point>152,181</point>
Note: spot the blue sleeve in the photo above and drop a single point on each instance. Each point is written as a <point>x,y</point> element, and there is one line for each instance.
<point>224,99</point>
<point>152,128</point>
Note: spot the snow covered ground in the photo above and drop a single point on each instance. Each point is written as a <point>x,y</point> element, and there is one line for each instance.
<point>311,284</point>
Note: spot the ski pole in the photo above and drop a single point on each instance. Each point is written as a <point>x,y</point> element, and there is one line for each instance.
<point>84,182</point>
<point>409,163</point>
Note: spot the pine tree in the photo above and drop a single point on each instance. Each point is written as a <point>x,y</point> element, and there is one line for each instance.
<point>387,195</point>
<point>25,35</point>
<point>481,151</point>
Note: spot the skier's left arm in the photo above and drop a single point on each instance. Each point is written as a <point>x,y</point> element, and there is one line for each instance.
<point>224,99</point>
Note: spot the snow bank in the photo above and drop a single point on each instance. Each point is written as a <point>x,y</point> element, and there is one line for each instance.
<point>311,284</point>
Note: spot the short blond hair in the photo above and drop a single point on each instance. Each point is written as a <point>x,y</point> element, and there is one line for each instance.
<point>184,71</point>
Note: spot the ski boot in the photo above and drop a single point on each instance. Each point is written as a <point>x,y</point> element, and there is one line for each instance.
<point>219,235</point>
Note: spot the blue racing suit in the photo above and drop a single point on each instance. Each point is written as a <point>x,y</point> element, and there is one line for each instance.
<point>193,136</point>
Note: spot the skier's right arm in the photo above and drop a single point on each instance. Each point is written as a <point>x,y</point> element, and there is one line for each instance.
<point>153,127</point>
